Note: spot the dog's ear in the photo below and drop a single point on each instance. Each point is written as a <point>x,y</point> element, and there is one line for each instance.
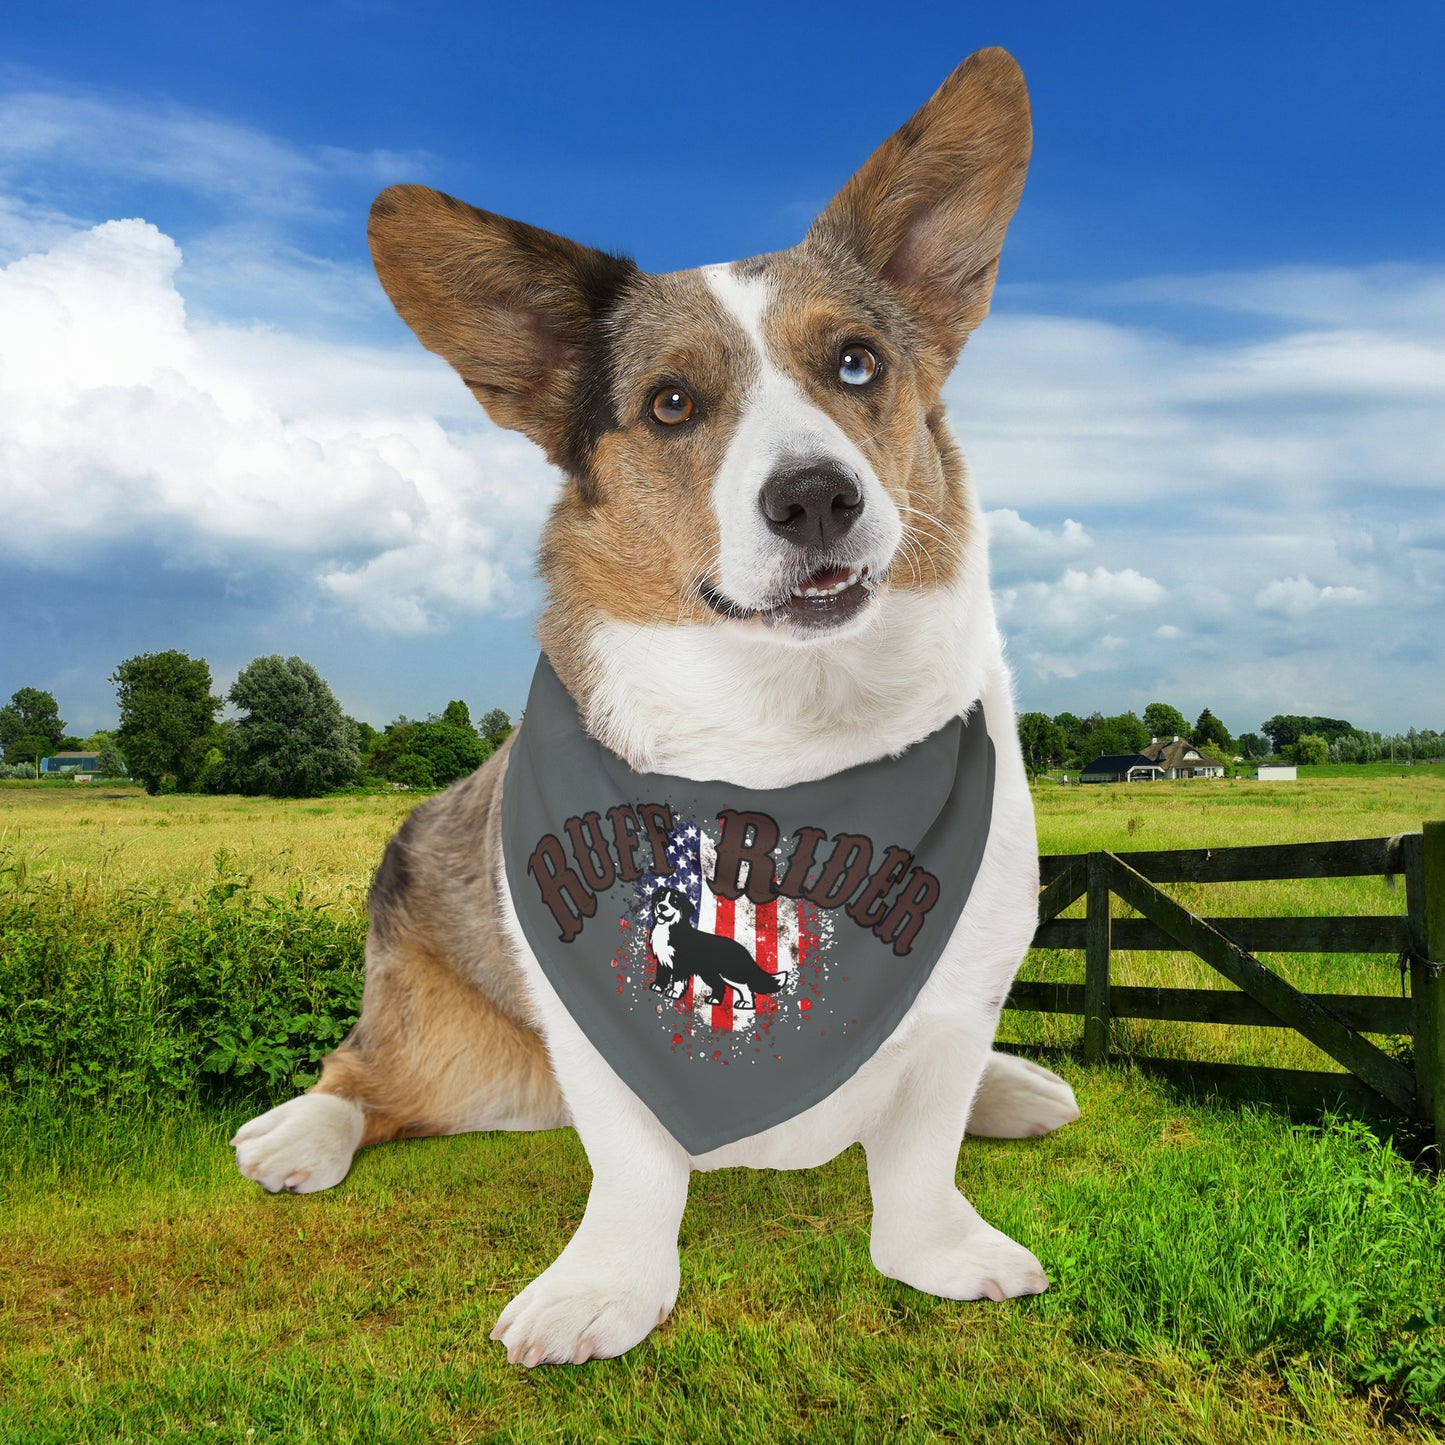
<point>928,211</point>
<point>515,309</point>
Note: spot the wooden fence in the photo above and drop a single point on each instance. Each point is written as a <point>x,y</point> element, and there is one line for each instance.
<point>1336,1023</point>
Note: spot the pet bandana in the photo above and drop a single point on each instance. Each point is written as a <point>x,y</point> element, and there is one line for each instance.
<point>735,954</point>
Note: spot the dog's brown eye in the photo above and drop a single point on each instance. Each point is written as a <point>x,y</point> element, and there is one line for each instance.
<point>672,405</point>
<point>857,366</point>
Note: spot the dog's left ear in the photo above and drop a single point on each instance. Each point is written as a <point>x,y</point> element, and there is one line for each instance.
<point>928,211</point>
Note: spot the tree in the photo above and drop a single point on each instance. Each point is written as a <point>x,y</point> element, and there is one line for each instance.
<point>1075,747</point>
<point>450,752</point>
<point>412,772</point>
<point>1042,741</point>
<point>1121,734</point>
<point>1310,749</point>
<point>456,713</point>
<point>1282,730</point>
<point>27,751</point>
<point>494,727</point>
<point>293,740</point>
<point>1164,722</point>
<point>34,715</point>
<point>1210,732</point>
<point>109,758</point>
<point>167,713</point>
<point>1251,745</point>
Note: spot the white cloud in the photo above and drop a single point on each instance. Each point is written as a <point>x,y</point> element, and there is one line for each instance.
<point>118,418</point>
<point>1298,596</point>
<point>202,154</point>
<point>1017,544</point>
<point>1066,627</point>
<point>1405,298</point>
<point>1065,413</point>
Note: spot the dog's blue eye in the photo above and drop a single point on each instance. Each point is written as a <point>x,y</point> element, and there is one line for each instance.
<point>857,366</point>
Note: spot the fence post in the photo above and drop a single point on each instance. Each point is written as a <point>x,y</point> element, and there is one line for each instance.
<point>1427,983</point>
<point>1096,961</point>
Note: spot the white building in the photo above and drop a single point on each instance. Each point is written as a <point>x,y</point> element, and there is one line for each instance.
<point>1276,773</point>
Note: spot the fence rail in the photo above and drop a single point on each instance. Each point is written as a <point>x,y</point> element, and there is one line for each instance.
<point>1261,998</point>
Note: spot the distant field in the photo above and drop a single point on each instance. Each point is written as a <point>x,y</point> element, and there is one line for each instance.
<point>104,839</point>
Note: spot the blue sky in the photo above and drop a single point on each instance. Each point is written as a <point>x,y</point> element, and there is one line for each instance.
<point>1207,415</point>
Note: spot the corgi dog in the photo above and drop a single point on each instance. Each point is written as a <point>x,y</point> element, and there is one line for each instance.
<point>766,565</point>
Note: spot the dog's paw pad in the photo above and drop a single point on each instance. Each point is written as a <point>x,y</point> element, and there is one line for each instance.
<point>1019,1099</point>
<point>301,1146</point>
<point>562,1318</point>
<point>984,1264</point>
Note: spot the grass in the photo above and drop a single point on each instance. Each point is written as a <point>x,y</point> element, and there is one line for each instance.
<point>1219,1274</point>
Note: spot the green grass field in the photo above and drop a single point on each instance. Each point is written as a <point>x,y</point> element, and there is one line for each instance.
<point>169,965</point>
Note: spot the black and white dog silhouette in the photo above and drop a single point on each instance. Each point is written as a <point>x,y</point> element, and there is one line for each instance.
<point>683,952</point>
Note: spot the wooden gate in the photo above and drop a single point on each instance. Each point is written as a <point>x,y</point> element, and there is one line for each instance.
<point>1335,1023</point>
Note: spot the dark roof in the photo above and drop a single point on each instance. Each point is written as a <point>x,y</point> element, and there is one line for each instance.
<point>1119,763</point>
<point>85,753</point>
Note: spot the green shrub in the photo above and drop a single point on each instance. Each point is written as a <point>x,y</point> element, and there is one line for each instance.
<point>233,997</point>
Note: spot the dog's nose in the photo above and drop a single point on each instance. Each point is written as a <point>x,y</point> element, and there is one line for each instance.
<point>811,503</point>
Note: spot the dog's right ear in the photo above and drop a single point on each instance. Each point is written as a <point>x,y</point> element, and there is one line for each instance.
<point>513,308</point>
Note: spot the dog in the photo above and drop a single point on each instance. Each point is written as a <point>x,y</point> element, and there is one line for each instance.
<point>761,486</point>
<point>723,964</point>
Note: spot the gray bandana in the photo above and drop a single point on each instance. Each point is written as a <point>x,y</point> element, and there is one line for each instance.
<point>734,954</point>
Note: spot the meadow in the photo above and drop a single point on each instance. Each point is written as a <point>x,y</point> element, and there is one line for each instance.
<point>170,965</point>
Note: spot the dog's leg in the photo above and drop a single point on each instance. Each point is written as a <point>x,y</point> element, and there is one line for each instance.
<point>1019,1099</point>
<point>617,1279</point>
<point>925,1232</point>
<point>431,1054</point>
<point>742,994</point>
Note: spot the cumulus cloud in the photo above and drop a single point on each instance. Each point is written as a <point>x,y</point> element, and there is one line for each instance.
<point>1297,596</point>
<point>119,418</point>
<point>1065,628</point>
<point>1063,412</point>
<point>1018,545</point>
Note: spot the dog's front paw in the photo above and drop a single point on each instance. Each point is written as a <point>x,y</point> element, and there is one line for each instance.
<point>1019,1099</point>
<point>302,1145</point>
<point>581,1310</point>
<point>982,1263</point>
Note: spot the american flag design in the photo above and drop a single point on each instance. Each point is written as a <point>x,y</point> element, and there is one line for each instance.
<point>786,936</point>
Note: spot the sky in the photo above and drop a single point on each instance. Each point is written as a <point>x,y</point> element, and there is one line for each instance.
<point>1206,417</point>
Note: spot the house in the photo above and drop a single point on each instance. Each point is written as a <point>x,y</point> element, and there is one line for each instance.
<point>1181,759</point>
<point>71,763</point>
<point>1122,768</point>
<point>1276,772</point>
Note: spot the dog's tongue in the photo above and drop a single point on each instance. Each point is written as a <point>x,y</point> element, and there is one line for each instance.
<point>828,577</point>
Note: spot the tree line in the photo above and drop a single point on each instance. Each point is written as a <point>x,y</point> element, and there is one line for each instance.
<point>290,738</point>
<point>1071,743</point>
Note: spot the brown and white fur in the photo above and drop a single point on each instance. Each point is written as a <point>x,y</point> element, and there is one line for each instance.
<point>679,561</point>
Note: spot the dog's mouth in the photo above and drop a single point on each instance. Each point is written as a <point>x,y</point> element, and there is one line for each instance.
<point>822,600</point>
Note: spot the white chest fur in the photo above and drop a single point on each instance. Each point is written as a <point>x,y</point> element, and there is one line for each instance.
<point>662,943</point>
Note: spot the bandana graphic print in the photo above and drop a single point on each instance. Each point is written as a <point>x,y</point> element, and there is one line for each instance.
<point>736,954</point>
<point>781,937</point>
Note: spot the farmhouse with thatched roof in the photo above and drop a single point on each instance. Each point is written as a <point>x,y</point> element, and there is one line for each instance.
<point>1181,759</point>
